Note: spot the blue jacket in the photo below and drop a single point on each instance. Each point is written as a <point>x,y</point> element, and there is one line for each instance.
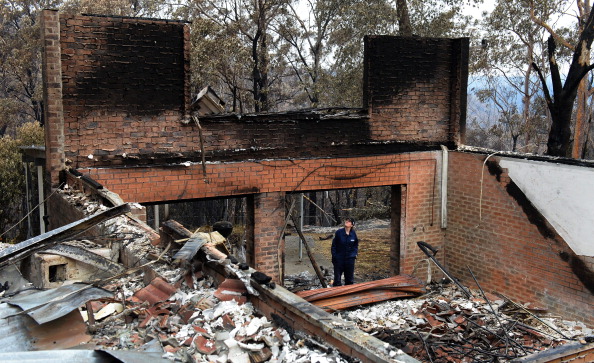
<point>345,246</point>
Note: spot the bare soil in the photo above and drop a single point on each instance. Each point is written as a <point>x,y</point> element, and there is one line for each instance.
<point>373,262</point>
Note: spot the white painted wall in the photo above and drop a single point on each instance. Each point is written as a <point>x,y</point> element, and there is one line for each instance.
<point>563,194</point>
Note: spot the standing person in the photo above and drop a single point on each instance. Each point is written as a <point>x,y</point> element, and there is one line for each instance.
<point>345,247</point>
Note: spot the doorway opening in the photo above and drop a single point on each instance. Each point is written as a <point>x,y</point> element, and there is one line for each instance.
<point>378,213</point>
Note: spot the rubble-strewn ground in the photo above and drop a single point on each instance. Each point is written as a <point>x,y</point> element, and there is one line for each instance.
<point>194,326</point>
<point>446,326</point>
<point>191,325</point>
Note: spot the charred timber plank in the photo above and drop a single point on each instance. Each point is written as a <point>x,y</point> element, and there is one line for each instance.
<point>336,329</point>
<point>178,231</point>
<point>571,352</point>
<point>32,245</point>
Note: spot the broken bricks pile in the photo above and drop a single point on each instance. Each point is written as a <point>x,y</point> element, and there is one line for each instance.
<point>446,326</point>
<point>194,322</point>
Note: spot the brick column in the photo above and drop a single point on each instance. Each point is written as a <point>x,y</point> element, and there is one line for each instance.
<point>268,253</point>
<point>52,94</point>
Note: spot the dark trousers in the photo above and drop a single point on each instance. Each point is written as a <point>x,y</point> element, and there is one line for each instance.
<point>346,266</point>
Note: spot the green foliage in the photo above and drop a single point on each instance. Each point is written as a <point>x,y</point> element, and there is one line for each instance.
<point>12,178</point>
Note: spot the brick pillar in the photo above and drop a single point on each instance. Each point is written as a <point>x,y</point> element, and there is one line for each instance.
<point>268,252</point>
<point>52,94</point>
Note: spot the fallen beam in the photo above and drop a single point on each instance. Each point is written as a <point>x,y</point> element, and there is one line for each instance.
<point>572,352</point>
<point>32,245</point>
<point>310,254</point>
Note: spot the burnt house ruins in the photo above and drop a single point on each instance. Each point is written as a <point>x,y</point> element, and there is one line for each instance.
<point>119,114</point>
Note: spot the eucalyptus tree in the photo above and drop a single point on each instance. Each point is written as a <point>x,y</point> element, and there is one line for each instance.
<point>233,41</point>
<point>306,28</point>
<point>566,89</point>
<point>20,62</point>
<point>504,60</point>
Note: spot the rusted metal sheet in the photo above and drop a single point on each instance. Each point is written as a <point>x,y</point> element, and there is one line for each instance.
<point>25,248</point>
<point>86,256</point>
<point>396,283</point>
<point>360,298</point>
<point>158,290</point>
<point>48,305</point>
<point>342,297</point>
<point>20,333</point>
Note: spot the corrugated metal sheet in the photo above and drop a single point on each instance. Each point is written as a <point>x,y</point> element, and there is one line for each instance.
<point>81,356</point>
<point>342,297</point>
<point>20,333</point>
<point>127,356</point>
<point>104,265</point>
<point>25,248</point>
<point>48,305</point>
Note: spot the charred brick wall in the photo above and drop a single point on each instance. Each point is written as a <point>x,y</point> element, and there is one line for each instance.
<point>264,179</point>
<point>123,85</point>
<point>415,88</point>
<point>508,246</point>
<point>52,94</point>
<point>119,79</point>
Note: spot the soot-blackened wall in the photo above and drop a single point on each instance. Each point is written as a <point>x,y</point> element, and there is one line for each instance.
<point>120,64</point>
<point>108,80</point>
<point>415,88</point>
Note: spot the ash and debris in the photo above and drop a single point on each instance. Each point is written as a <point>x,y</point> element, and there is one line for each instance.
<point>445,326</point>
<point>194,326</point>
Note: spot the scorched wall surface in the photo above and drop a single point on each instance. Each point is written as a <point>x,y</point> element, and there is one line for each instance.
<point>510,249</point>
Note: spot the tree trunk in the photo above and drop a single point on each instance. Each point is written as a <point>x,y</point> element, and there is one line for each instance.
<point>404,26</point>
<point>580,120</point>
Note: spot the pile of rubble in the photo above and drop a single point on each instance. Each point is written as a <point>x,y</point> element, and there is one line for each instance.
<point>152,308</point>
<point>187,321</point>
<point>446,326</point>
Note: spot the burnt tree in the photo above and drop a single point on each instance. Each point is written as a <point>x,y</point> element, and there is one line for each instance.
<point>560,104</point>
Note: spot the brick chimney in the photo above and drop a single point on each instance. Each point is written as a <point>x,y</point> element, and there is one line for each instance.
<point>415,88</point>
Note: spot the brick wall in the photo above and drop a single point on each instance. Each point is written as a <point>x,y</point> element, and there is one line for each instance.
<point>52,94</point>
<point>419,172</point>
<point>124,88</point>
<point>415,88</point>
<point>511,249</point>
<point>269,219</point>
<point>113,85</point>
